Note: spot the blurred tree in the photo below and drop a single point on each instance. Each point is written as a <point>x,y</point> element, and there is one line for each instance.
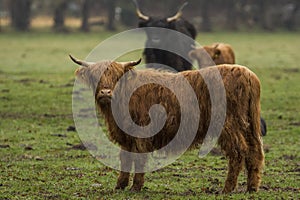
<point>20,14</point>
<point>59,15</point>
<point>128,15</point>
<point>263,14</point>
<point>1,6</point>
<point>231,20</point>
<point>206,23</point>
<point>170,7</point>
<point>86,8</point>
<point>289,14</point>
<point>110,6</point>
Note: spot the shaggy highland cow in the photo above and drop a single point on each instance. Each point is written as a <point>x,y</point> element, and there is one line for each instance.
<point>240,137</point>
<point>219,53</point>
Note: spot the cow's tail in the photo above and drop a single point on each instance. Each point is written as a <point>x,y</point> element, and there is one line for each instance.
<point>255,105</point>
<point>255,157</point>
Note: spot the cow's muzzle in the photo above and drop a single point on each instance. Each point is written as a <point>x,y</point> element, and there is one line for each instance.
<point>104,96</point>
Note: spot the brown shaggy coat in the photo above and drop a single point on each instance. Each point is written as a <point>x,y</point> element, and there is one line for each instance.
<point>240,138</point>
<point>219,53</point>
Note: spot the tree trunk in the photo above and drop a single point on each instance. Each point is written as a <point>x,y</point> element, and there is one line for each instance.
<point>263,15</point>
<point>85,15</point>
<point>59,16</point>
<point>206,24</point>
<point>110,5</point>
<point>171,7</point>
<point>289,15</point>
<point>20,14</point>
<point>231,15</point>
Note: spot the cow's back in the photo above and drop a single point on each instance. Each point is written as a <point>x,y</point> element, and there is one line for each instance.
<point>227,53</point>
<point>239,83</point>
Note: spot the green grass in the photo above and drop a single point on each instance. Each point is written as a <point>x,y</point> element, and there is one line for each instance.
<point>39,158</point>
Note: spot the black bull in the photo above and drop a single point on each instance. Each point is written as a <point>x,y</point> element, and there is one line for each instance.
<point>160,40</point>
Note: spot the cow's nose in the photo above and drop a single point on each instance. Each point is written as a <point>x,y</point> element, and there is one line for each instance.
<point>105,92</point>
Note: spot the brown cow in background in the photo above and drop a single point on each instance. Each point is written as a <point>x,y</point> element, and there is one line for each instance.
<point>219,53</point>
<point>240,137</point>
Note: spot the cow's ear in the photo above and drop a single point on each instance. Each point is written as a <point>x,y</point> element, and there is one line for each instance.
<point>77,72</point>
<point>80,72</point>
<point>217,53</point>
<point>81,75</point>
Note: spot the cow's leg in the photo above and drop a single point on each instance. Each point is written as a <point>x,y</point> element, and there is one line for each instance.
<point>254,166</point>
<point>235,147</point>
<point>126,164</point>
<point>234,168</point>
<point>138,180</point>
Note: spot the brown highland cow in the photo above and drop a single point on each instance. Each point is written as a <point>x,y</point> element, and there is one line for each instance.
<point>240,137</point>
<point>219,53</point>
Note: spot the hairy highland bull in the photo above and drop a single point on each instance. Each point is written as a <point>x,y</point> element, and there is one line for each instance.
<point>219,53</point>
<point>160,41</point>
<point>239,139</point>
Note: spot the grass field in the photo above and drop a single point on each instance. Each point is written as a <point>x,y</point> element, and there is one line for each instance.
<point>41,159</point>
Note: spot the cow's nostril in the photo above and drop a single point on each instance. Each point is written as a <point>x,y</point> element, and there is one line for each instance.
<point>105,92</point>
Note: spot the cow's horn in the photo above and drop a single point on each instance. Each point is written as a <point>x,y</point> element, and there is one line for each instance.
<point>80,62</point>
<point>178,14</point>
<point>130,63</point>
<point>139,13</point>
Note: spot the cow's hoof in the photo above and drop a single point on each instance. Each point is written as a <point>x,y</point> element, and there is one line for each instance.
<point>252,189</point>
<point>226,191</point>
<point>121,184</point>
<point>120,187</point>
<point>135,188</point>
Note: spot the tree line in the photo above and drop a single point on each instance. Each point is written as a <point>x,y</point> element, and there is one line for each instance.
<point>207,15</point>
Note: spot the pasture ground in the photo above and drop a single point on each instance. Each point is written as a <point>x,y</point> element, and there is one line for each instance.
<point>41,159</point>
